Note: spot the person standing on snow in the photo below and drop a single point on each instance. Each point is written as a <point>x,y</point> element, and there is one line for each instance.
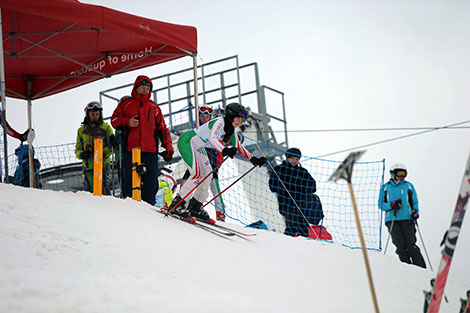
<point>299,186</point>
<point>399,200</point>
<point>215,157</point>
<point>94,126</point>
<point>214,134</point>
<point>143,126</point>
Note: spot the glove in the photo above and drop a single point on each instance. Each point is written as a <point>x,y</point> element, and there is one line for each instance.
<point>258,161</point>
<point>24,136</point>
<point>85,155</point>
<point>396,205</point>
<point>169,151</point>
<point>230,152</point>
<point>414,214</point>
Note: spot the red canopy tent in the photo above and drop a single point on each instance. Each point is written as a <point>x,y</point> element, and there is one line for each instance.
<point>50,46</point>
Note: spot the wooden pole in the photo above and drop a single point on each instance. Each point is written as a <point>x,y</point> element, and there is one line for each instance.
<point>364,248</point>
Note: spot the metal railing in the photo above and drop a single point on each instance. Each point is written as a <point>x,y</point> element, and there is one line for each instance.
<point>222,81</point>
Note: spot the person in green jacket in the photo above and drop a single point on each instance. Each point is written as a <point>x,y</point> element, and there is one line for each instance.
<point>94,126</point>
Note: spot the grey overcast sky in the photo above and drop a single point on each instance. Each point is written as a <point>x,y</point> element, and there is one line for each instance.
<point>341,64</point>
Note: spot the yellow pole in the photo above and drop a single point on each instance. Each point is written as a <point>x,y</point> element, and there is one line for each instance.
<point>136,180</point>
<point>98,166</point>
<point>364,249</point>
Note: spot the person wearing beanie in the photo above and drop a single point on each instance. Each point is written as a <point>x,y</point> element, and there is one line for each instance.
<point>295,188</point>
<point>142,125</point>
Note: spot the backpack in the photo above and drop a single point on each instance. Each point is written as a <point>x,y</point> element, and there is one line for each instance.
<point>21,177</point>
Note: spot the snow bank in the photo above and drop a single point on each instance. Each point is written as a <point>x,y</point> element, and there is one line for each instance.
<point>73,252</point>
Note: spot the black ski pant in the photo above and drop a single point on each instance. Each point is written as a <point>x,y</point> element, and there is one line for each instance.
<point>295,222</point>
<point>149,179</point>
<point>404,238</point>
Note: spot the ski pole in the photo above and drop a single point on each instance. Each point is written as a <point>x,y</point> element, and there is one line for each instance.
<point>112,170</point>
<point>424,247</point>
<point>120,172</point>
<point>220,193</point>
<point>390,232</point>
<point>213,170</point>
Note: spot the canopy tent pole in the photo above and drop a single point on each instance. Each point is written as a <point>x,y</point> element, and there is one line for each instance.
<point>29,87</point>
<point>30,144</point>
<point>196,93</point>
<point>4,103</point>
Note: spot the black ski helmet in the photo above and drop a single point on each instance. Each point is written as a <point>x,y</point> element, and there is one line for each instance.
<point>293,152</point>
<point>234,110</point>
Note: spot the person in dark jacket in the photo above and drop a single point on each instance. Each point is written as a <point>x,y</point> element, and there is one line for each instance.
<point>142,125</point>
<point>295,189</point>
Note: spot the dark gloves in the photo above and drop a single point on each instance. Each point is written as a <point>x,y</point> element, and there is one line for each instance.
<point>396,205</point>
<point>258,161</point>
<point>414,214</point>
<point>169,151</point>
<point>230,152</point>
<point>24,136</point>
<point>85,155</point>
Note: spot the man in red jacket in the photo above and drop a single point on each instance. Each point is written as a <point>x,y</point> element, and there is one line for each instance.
<point>142,124</point>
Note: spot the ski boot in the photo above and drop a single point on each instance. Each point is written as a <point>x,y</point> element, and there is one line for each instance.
<point>220,216</point>
<point>196,210</point>
<point>180,210</point>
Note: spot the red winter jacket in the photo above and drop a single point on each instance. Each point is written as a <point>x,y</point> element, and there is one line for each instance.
<point>151,127</point>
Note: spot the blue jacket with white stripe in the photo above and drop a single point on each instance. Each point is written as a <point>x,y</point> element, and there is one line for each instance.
<point>392,191</point>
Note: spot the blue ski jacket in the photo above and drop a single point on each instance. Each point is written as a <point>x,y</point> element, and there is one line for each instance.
<point>392,191</point>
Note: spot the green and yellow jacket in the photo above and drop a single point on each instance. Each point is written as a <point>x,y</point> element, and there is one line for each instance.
<point>85,135</point>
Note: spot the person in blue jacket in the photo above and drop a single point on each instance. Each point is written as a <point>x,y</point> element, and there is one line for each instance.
<point>399,200</point>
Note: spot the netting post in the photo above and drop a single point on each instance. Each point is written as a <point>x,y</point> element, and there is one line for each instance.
<point>98,166</point>
<point>344,171</point>
<point>136,179</point>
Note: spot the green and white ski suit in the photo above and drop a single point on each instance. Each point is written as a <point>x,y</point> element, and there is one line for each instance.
<point>191,146</point>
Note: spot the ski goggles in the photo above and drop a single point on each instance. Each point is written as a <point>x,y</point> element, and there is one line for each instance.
<point>243,115</point>
<point>93,105</point>
<point>205,110</point>
<point>400,174</point>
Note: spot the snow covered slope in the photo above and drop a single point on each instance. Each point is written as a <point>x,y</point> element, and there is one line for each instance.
<point>73,252</point>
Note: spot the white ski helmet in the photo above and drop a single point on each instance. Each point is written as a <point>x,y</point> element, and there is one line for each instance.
<point>397,167</point>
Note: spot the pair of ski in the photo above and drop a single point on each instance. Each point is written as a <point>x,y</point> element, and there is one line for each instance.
<point>450,241</point>
<point>209,225</point>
